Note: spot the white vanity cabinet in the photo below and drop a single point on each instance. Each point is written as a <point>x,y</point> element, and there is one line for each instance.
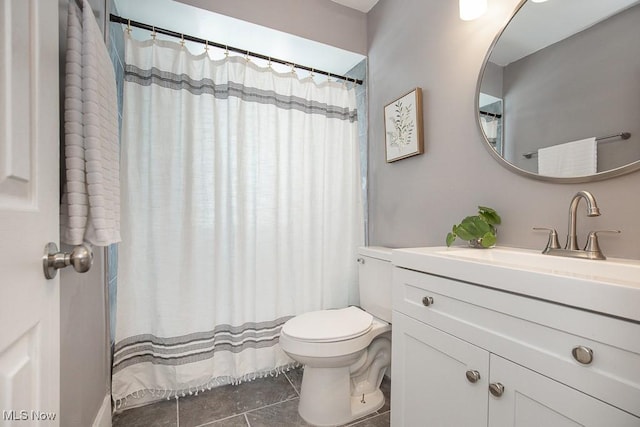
<point>532,399</point>
<point>429,386</point>
<point>453,340</point>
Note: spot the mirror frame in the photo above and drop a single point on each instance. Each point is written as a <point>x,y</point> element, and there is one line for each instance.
<point>612,173</point>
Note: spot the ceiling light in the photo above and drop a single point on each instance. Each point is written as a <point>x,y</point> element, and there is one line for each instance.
<point>472,9</point>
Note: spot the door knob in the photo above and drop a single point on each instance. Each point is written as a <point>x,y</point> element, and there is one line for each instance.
<point>81,258</point>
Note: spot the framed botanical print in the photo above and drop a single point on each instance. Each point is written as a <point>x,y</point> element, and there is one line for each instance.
<point>403,126</point>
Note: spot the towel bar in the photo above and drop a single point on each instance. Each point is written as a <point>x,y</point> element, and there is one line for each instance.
<point>622,135</point>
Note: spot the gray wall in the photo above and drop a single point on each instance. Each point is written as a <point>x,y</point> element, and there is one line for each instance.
<point>85,374</point>
<point>320,20</point>
<point>586,85</point>
<point>414,202</point>
<point>492,80</point>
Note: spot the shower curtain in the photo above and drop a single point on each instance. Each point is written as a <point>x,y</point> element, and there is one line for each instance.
<point>241,207</point>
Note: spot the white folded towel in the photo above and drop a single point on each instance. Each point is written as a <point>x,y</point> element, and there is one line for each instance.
<point>90,209</point>
<point>576,158</point>
<point>490,127</point>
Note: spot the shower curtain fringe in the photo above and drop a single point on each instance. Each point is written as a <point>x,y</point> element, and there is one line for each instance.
<point>122,404</point>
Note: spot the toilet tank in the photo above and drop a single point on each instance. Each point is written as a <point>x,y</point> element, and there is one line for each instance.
<point>374,278</point>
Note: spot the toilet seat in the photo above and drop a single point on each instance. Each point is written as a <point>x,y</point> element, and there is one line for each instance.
<point>329,325</point>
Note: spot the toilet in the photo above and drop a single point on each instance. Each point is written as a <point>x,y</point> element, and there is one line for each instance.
<point>345,352</point>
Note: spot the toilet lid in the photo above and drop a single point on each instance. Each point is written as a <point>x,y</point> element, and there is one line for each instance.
<point>329,325</point>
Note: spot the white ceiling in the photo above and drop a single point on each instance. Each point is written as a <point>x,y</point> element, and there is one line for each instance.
<point>183,18</point>
<point>538,25</point>
<point>361,5</point>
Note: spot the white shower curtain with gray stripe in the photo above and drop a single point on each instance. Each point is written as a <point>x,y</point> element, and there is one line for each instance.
<point>241,207</point>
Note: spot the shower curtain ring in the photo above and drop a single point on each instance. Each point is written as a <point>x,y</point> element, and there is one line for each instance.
<point>226,50</point>
<point>182,39</point>
<point>246,56</point>
<point>129,26</point>
<point>153,33</point>
<point>269,64</point>
<point>206,45</point>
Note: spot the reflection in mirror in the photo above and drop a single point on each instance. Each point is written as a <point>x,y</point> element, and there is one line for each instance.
<point>491,120</point>
<point>559,95</point>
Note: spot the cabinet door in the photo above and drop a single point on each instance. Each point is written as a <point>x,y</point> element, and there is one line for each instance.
<point>531,399</point>
<point>430,386</point>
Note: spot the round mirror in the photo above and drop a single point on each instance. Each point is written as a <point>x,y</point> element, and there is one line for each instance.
<point>558,96</point>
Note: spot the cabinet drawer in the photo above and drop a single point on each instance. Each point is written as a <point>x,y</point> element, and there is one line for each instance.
<point>530,332</point>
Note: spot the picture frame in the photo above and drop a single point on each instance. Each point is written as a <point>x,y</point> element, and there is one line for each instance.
<point>403,126</point>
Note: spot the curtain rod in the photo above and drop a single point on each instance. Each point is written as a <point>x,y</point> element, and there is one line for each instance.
<point>130,23</point>
<point>486,113</point>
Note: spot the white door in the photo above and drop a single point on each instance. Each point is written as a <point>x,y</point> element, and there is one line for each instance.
<point>29,198</point>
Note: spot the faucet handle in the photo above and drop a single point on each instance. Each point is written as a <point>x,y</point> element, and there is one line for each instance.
<point>552,243</point>
<point>593,245</point>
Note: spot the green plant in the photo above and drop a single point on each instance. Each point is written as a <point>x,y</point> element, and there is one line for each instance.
<point>479,228</point>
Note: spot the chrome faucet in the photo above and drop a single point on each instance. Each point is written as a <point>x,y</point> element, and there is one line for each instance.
<point>571,249</point>
<point>592,210</point>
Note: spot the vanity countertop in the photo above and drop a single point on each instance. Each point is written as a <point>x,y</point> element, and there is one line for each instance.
<point>611,287</point>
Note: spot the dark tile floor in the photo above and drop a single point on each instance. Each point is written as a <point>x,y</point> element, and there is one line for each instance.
<point>265,402</point>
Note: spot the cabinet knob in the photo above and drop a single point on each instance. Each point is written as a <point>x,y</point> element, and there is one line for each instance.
<point>582,354</point>
<point>427,301</point>
<point>472,376</point>
<point>496,389</point>
<point>360,260</point>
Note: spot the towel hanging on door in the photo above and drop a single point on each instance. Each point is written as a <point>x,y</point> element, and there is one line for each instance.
<point>90,207</point>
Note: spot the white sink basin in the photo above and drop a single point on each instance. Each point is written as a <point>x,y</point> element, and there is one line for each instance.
<point>611,286</point>
<point>610,270</point>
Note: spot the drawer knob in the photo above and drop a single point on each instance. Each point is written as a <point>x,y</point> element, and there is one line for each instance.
<point>496,389</point>
<point>360,260</point>
<point>427,301</point>
<point>582,354</point>
<point>473,376</point>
